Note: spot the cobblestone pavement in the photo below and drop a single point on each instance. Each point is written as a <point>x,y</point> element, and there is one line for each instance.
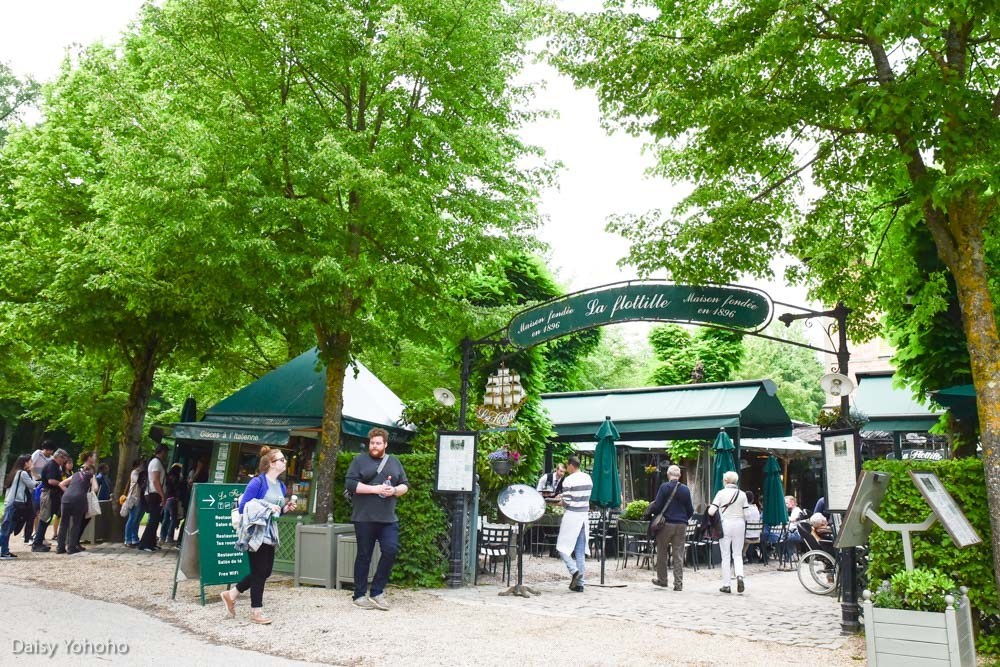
<point>775,607</point>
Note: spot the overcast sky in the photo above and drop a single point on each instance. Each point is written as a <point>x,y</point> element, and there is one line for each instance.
<point>602,174</point>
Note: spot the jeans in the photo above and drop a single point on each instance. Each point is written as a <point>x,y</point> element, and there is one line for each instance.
<point>132,525</point>
<point>148,540</point>
<point>367,532</point>
<point>170,520</point>
<point>7,527</point>
<point>261,564</point>
<point>580,551</point>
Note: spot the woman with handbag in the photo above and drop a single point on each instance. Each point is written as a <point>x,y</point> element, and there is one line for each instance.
<point>131,507</point>
<point>730,504</point>
<point>266,495</point>
<point>19,487</point>
<point>75,505</point>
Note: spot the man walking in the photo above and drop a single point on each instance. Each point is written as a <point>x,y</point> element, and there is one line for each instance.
<point>156,498</point>
<point>573,531</point>
<point>376,480</point>
<point>50,504</point>
<point>674,500</point>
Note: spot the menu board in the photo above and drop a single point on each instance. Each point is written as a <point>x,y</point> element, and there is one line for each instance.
<point>456,462</point>
<point>841,466</point>
<point>218,559</point>
<point>945,509</point>
<point>221,461</point>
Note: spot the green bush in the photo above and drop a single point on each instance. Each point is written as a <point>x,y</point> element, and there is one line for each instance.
<point>635,509</point>
<point>920,590</point>
<point>423,521</point>
<point>933,549</point>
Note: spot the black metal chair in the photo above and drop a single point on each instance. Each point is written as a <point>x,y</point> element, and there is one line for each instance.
<point>752,540</point>
<point>495,545</point>
<point>597,545</point>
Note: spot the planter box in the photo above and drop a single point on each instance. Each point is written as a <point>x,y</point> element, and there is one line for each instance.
<point>316,553</point>
<point>920,638</point>
<point>101,528</point>
<point>347,551</point>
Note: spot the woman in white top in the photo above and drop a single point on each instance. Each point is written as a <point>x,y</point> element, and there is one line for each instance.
<point>732,503</point>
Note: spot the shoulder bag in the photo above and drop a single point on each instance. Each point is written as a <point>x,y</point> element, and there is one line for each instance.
<point>93,504</point>
<point>349,495</point>
<point>658,522</point>
<point>711,524</point>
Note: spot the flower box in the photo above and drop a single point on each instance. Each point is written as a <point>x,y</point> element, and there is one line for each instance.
<point>502,467</point>
<point>904,637</point>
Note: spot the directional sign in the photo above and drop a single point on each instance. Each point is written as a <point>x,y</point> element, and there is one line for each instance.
<point>737,307</point>
<point>946,509</point>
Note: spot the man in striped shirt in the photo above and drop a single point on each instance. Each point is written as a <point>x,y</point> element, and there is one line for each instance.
<point>572,540</point>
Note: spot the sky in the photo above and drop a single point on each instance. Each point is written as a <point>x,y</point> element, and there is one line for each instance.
<point>602,174</point>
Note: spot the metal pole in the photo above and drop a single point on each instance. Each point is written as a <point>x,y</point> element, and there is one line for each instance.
<point>849,611</point>
<point>456,562</point>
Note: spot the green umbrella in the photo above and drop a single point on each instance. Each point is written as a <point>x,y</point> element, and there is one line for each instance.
<point>607,491</point>
<point>723,448</point>
<point>775,512</point>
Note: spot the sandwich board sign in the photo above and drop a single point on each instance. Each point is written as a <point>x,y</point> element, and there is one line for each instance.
<point>208,548</point>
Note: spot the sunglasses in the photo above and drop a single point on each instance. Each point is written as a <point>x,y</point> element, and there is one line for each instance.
<point>282,459</point>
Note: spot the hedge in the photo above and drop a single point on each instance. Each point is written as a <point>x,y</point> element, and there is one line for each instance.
<point>423,522</point>
<point>971,567</point>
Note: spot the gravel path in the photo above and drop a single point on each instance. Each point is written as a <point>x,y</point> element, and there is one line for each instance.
<point>775,622</point>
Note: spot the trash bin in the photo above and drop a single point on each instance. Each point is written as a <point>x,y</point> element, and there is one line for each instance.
<point>100,527</point>
<point>347,551</point>
<point>316,553</point>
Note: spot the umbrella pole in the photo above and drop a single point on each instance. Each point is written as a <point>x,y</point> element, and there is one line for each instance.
<point>604,543</point>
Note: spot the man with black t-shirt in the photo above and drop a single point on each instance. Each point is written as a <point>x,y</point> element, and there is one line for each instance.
<point>51,502</point>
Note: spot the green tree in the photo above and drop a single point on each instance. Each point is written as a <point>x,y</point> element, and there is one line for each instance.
<point>710,355</point>
<point>16,95</point>
<point>372,147</point>
<point>617,363</point>
<point>795,370</point>
<point>892,111</point>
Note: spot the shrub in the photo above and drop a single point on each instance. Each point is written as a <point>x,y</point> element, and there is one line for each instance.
<point>635,509</point>
<point>933,549</point>
<point>423,521</point>
<point>920,590</point>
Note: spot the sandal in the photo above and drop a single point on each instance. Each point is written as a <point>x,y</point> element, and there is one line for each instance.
<point>230,604</point>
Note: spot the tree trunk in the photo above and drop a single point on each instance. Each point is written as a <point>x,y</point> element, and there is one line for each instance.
<point>6,437</point>
<point>143,365</point>
<point>335,351</point>
<point>971,280</point>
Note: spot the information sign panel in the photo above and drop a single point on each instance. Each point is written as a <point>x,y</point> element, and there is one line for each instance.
<point>456,462</point>
<point>208,547</point>
<point>945,509</point>
<point>841,466</point>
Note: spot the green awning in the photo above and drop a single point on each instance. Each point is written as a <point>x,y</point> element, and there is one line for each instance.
<point>683,411</point>
<point>960,399</point>
<point>889,408</point>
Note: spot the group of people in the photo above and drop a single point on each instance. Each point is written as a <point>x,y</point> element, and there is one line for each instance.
<point>162,494</point>
<point>43,489</point>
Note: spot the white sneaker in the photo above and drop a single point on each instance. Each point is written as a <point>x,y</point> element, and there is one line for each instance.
<point>380,602</point>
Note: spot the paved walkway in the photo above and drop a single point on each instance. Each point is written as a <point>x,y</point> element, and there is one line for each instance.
<point>775,607</point>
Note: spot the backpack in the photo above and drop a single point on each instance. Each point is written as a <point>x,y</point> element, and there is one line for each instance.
<point>142,481</point>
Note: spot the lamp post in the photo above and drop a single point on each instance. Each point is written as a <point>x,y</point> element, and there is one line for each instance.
<point>848,564</point>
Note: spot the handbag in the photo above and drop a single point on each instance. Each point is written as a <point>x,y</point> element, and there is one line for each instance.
<point>349,495</point>
<point>711,524</point>
<point>93,504</point>
<point>658,522</point>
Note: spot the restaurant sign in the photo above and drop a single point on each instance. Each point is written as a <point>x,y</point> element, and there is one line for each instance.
<point>722,305</point>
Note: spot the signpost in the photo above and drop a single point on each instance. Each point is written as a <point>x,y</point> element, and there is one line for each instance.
<point>208,548</point>
<point>456,462</point>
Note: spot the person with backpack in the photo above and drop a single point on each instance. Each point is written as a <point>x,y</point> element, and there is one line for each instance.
<point>133,502</point>
<point>156,498</point>
<point>730,503</point>
<point>18,486</point>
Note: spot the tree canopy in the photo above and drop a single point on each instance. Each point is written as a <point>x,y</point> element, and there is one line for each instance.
<point>888,113</point>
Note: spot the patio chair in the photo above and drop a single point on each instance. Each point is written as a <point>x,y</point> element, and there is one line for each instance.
<point>752,540</point>
<point>633,541</point>
<point>596,546</point>
<point>495,544</point>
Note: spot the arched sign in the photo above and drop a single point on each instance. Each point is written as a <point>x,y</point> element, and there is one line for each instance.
<point>719,305</point>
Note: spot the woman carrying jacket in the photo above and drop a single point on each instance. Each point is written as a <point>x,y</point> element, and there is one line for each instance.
<point>19,486</point>
<point>266,488</point>
<point>731,503</point>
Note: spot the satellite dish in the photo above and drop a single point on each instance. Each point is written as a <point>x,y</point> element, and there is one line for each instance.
<point>444,397</point>
<point>836,384</point>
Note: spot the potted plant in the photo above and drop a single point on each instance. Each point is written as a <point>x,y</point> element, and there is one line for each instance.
<point>503,460</point>
<point>630,522</point>
<point>919,614</point>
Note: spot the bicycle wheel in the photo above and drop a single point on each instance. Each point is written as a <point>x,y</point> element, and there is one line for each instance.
<point>818,572</point>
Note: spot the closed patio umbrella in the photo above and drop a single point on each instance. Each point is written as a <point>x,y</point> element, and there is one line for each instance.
<point>607,491</point>
<point>775,513</point>
<point>723,449</point>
